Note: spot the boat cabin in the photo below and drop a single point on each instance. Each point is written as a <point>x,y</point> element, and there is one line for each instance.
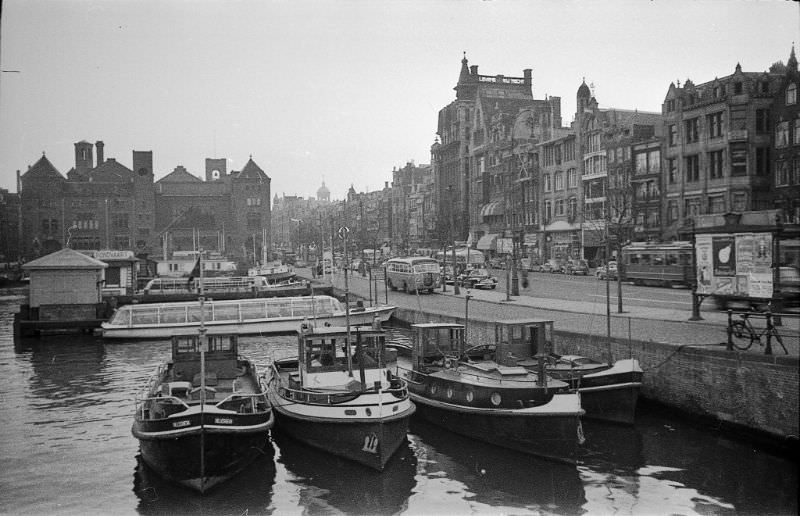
<point>325,358</point>
<point>221,363</point>
<point>437,343</point>
<point>522,341</point>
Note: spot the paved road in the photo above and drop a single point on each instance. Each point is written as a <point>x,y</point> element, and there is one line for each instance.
<point>665,325</point>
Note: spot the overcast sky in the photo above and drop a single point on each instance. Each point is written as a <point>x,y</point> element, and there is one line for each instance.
<point>340,90</point>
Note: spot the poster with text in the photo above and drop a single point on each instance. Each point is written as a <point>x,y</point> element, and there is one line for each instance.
<point>724,256</point>
<point>744,253</point>
<point>705,265</point>
<point>762,259</point>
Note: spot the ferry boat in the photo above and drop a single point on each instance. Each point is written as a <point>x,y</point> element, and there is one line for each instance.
<point>479,398</point>
<point>204,415</point>
<point>239,316</point>
<point>273,273</point>
<point>339,395</point>
<point>609,392</point>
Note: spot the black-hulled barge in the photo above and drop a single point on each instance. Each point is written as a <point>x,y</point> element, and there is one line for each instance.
<point>201,429</point>
<point>502,405</point>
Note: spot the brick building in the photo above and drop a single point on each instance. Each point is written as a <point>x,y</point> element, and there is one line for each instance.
<point>110,206</point>
<point>786,117</point>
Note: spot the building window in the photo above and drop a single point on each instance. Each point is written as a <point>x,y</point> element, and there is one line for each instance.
<point>716,204</point>
<point>762,121</point>
<point>693,168</point>
<point>254,201</point>
<point>641,163</point>
<point>739,201</point>
<point>670,105</point>
<point>672,170</point>
<point>715,164</point>
<point>122,242</point>
<point>762,161</point>
<point>673,135</point>
<point>86,221</point>
<point>119,221</point>
<point>692,207</point>
<point>791,94</point>
<point>253,221</point>
<point>572,178</point>
<point>548,212</point>
<point>796,139</point>
<point>672,211</point>
<point>654,161</point>
<point>573,208</point>
<point>559,180</point>
<point>560,207</point>
<point>547,185</point>
<point>691,130</point>
<point>714,125</point>
<point>738,159</point>
<point>737,88</point>
<point>782,173</point>
<point>796,171</point>
<point>782,135</point>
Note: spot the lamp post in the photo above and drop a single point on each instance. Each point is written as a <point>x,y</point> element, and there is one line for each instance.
<point>456,290</point>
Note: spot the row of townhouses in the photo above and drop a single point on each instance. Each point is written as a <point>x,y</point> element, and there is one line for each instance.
<point>505,175</point>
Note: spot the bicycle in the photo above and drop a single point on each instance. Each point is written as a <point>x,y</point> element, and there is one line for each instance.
<point>747,334</point>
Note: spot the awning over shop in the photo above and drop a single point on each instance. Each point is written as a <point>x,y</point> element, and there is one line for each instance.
<point>487,242</point>
<point>492,208</point>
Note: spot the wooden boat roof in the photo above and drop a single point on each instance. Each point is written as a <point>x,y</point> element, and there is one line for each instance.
<point>437,325</point>
<point>317,331</point>
<point>522,322</point>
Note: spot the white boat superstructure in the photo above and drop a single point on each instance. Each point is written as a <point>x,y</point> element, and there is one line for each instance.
<point>238,316</point>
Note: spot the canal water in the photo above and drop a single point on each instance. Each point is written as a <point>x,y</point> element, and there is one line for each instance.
<point>66,448</point>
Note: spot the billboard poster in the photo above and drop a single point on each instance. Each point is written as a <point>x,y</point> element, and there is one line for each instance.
<point>705,265</point>
<point>744,253</point>
<point>762,259</point>
<point>724,256</point>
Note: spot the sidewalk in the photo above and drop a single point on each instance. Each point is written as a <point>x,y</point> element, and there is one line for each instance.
<point>643,323</point>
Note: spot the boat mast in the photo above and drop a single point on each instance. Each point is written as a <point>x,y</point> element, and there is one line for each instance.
<point>203,344</point>
<point>343,233</point>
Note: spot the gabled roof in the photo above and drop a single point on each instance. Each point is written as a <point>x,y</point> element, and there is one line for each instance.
<point>43,170</point>
<point>179,175</point>
<point>111,171</point>
<point>252,171</point>
<point>65,259</point>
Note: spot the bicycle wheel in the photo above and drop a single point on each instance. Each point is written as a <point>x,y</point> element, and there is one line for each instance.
<point>741,336</point>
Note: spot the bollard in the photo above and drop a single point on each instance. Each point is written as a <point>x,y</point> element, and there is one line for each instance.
<point>768,349</point>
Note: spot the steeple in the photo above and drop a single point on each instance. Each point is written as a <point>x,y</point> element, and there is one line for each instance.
<point>791,65</point>
<point>465,88</point>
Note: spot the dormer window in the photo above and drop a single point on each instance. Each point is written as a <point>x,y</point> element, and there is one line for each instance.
<point>716,92</point>
<point>737,88</point>
<point>764,86</point>
<point>791,94</point>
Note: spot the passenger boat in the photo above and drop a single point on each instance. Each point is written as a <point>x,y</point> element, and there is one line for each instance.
<point>485,400</point>
<point>204,416</point>
<point>240,316</point>
<point>274,273</point>
<point>609,392</point>
<point>339,394</point>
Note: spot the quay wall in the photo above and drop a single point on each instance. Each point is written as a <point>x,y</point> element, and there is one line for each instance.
<point>749,392</point>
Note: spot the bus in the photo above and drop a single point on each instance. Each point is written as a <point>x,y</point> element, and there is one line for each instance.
<point>413,274</point>
<point>465,258</point>
<point>213,284</point>
<point>663,264</point>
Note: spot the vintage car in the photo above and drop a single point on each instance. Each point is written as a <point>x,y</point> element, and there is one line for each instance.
<point>477,278</point>
<point>555,265</point>
<point>576,267</point>
<point>603,272</point>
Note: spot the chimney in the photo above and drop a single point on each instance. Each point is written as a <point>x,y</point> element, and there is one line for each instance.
<point>473,70</point>
<point>527,74</point>
<point>99,146</point>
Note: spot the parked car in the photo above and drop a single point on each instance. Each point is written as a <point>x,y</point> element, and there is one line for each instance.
<point>576,267</point>
<point>554,265</point>
<point>355,264</point>
<point>447,274</point>
<point>477,278</point>
<point>497,263</point>
<point>611,271</point>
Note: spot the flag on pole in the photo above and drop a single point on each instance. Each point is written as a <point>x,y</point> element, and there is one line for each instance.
<point>195,272</point>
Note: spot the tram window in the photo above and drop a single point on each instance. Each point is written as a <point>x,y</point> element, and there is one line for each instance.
<point>672,259</point>
<point>644,259</point>
<point>686,259</point>
<point>657,259</point>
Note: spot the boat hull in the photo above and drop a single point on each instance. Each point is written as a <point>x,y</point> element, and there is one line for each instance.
<point>610,395</point>
<point>368,441</point>
<point>539,431</point>
<point>248,327</point>
<point>177,456</point>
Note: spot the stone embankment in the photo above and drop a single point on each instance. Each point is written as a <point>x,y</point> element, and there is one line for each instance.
<point>686,363</point>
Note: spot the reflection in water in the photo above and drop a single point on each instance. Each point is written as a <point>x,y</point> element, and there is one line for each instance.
<point>328,483</point>
<point>249,492</point>
<point>68,375</point>
<point>497,477</point>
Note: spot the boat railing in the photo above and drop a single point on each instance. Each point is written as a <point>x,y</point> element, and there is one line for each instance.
<point>417,377</point>
<point>398,388</point>
<point>158,407</point>
<point>240,311</point>
<point>245,403</point>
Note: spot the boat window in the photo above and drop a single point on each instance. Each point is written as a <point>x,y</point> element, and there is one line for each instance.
<point>253,311</point>
<point>145,315</point>
<point>321,354</point>
<point>516,332</point>
<point>173,314</point>
<point>193,313</point>
<point>226,312</point>
<point>122,316</point>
